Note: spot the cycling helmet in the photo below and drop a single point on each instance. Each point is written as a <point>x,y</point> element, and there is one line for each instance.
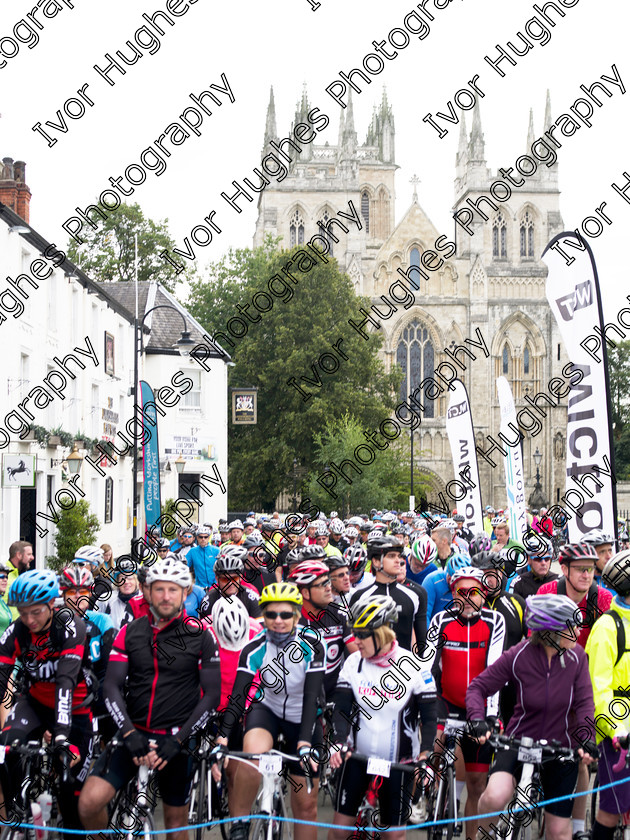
<point>277,592</point>
<point>597,537</point>
<point>424,550</point>
<point>355,521</point>
<point>487,560</point>
<point>74,577</point>
<point>576,551</point>
<point>468,573</point>
<point>450,524</point>
<point>366,526</point>
<point>232,550</point>
<point>480,542</point>
<point>231,562</point>
<point>335,561</point>
<point>381,544</point>
<point>203,531</point>
<point>549,612</point>
<point>252,540</point>
<point>497,520</point>
<point>307,571</point>
<point>313,552</point>
<point>236,523</point>
<point>143,573</point>
<point>455,562</point>
<point>373,611</point>
<point>230,622</point>
<point>616,573</point>
<point>321,529</point>
<point>163,543</point>
<point>542,550</point>
<point>294,556</point>
<point>352,533</point>
<point>35,587</point>
<point>337,527</point>
<point>172,570</point>
<point>91,554</point>
<point>459,517</point>
<point>356,557</point>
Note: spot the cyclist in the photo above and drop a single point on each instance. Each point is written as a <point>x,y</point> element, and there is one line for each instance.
<point>202,557</point>
<point>184,542</point>
<point>550,654</point>
<point>529,581</point>
<point>604,548</point>
<point>609,667</point>
<point>51,649</point>
<point>340,580</point>
<point>229,569</point>
<point>369,681</point>
<point>173,681</point>
<point>322,539</point>
<point>509,604</point>
<point>438,587</point>
<point>236,529</point>
<point>90,556</point>
<point>313,579</point>
<point>288,704</point>
<point>140,604</point>
<point>443,538</point>
<point>337,535</point>
<point>356,555</point>
<point>470,637</point>
<point>421,561</point>
<point>385,554</point>
<point>261,569</point>
<point>118,607</point>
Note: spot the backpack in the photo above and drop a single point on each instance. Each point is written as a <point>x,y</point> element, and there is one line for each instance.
<point>621,634</point>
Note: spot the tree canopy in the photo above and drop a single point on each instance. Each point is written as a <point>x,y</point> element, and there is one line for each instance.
<point>306,317</point>
<point>109,252</point>
<point>619,374</point>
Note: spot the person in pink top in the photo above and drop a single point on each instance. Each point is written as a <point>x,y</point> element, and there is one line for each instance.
<point>233,628</point>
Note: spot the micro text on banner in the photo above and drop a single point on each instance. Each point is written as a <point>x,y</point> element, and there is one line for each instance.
<point>576,305</point>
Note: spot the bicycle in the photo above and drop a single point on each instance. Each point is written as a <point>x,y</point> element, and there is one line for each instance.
<point>208,801</point>
<point>442,801</point>
<point>270,799</point>
<point>367,817</point>
<point>529,791</point>
<point>622,829</point>
<point>36,801</point>
<point>131,810</point>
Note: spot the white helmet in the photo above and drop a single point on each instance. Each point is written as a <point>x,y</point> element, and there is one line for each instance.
<point>171,570</point>
<point>230,622</point>
<point>91,554</point>
<point>337,526</point>
<point>321,529</point>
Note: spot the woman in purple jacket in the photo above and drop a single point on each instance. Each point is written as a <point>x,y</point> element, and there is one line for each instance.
<point>551,677</point>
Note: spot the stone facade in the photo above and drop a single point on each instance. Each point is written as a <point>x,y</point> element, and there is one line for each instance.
<point>493,281</point>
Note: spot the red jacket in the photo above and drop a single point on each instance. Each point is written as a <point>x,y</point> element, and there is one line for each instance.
<point>601,605</point>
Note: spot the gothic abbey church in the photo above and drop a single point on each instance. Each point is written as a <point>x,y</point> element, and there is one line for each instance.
<point>494,283</point>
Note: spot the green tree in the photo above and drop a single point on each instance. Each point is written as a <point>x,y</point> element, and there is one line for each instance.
<point>384,483</point>
<point>619,374</point>
<point>109,251</point>
<point>76,527</point>
<point>287,341</point>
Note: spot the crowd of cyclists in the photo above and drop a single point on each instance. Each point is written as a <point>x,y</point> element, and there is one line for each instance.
<point>350,640</point>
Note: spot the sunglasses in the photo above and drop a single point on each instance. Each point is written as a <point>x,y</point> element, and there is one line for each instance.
<point>4,576</point>
<point>321,585</point>
<point>285,615</point>
<point>203,537</point>
<point>82,593</point>
<point>362,634</point>
<point>473,590</point>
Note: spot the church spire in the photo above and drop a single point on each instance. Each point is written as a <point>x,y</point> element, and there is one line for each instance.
<point>530,130</point>
<point>271,133</point>
<point>476,146</point>
<point>461,150</point>
<point>547,124</point>
<point>342,116</point>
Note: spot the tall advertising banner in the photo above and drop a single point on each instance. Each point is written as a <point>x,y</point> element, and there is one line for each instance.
<point>150,457</point>
<point>459,427</point>
<point>513,462</point>
<point>574,296</point>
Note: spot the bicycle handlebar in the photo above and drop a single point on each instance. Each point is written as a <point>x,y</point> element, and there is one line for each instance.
<point>548,748</point>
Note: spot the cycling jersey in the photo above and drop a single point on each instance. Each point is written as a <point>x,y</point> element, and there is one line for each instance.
<point>528,584</point>
<point>386,701</point>
<point>466,646</point>
<point>610,678</point>
<point>245,594</point>
<point>52,663</point>
<point>139,606</point>
<point>168,670</point>
<point>439,595</point>
<point>291,677</point>
<point>6,616</point>
<point>201,559</point>
<point>229,665</point>
<point>412,607</point>
<point>331,623</point>
<point>593,604</point>
<point>512,608</point>
<point>193,600</point>
<point>100,634</point>
<point>545,695</point>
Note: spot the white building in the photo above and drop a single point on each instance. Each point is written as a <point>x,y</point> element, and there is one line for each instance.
<point>67,376</point>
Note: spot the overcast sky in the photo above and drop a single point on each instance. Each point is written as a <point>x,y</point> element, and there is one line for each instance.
<point>285,44</point>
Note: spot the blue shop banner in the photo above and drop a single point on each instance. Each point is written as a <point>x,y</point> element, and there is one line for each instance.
<point>150,457</point>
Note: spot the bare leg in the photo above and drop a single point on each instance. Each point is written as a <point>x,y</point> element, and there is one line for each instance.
<point>176,816</point>
<point>93,801</point>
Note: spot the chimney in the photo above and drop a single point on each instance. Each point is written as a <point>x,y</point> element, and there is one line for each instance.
<point>13,189</point>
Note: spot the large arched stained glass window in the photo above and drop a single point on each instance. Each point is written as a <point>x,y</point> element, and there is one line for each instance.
<point>365,210</point>
<point>416,357</point>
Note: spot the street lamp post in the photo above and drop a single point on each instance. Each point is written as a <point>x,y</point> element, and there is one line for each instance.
<point>184,345</point>
<point>294,485</point>
<point>537,498</point>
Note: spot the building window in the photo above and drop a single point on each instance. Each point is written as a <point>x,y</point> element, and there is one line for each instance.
<point>296,229</point>
<point>109,499</point>
<point>365,210</point>
<point>323,229</point>
<point>527,235</point>
<point>526,361</point>
<point>192,400</point>
<point>499,237</point>
<point>414,276</point>
<point>505,361</point>
<point>416,358</point>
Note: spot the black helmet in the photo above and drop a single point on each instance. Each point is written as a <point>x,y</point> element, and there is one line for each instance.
<point>616,573</point>
<point>381,545</point>
<point>334,561</point>
<point>313,552</point>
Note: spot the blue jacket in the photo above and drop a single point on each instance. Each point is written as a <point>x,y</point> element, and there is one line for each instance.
<point>438,594</point>
<point>201,560</point>
<point>193,601</point>
<point>418,577</point>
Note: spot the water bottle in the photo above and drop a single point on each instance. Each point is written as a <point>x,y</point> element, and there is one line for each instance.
<point>36,812</point>
<point>45,803</point>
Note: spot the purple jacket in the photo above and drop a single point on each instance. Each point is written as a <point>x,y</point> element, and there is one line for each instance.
<point>550,699</point>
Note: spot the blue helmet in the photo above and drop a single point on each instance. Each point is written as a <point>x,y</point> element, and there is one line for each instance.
<point>457,561</point>
<point>35,587</point>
